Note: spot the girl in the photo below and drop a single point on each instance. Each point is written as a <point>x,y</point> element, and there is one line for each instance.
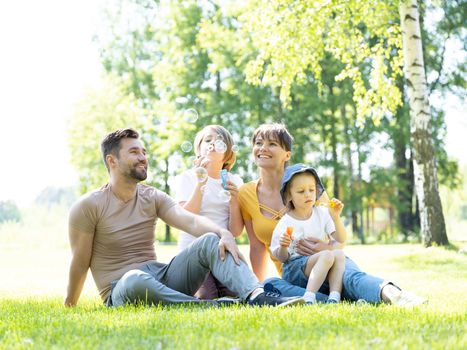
<point>201,191</point>
<point>301,188</point>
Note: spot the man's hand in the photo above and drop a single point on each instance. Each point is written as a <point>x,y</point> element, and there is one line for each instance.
<point>310,245</point>
<point>227,243</point>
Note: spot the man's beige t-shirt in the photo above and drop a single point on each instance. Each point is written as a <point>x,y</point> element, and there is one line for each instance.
<point>123,232</point>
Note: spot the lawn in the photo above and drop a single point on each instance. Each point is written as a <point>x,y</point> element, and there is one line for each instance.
<point>34,281</point>
<point>34,259</point>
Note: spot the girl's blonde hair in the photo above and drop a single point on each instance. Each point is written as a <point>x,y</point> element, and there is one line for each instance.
<point>229,156</point>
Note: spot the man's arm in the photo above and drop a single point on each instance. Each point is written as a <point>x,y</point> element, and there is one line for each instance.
<point>81,248</point>
<point>198,225</point>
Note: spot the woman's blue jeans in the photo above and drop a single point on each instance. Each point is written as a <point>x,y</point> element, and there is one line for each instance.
<point>356,285</point>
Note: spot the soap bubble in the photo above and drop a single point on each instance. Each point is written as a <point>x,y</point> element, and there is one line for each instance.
<point>190,115</point>
<point>220,146</point>
<point>225,195</point>
<point>186,146</point>
<point>191,161</point>
<point>201,174</point>
<point>235,148</point>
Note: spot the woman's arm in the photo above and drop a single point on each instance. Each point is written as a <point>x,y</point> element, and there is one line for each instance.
<point>258,253</point>
<point>310,245</point>
<point>235,216</point>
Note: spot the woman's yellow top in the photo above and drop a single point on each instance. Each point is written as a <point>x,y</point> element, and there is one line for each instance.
<point>262,225</point>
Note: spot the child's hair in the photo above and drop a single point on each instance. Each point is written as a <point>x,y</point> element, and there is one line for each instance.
<point>229,156</point>
<point>288,197</point>
<point>275,131</point>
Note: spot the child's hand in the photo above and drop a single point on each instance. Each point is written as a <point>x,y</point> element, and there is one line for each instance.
<point>285,240</point>
<point>201,173</point>
<point>335,207</point>
<point>202,161</point>
<point>233,189</point>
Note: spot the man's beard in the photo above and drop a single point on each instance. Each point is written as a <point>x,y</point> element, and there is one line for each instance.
<point>139,174</point>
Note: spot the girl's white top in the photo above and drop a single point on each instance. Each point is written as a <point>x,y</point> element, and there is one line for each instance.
<point>318,225</point>
<point>213,206</point>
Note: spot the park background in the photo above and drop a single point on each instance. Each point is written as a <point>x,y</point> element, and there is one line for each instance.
<point>71,72</point>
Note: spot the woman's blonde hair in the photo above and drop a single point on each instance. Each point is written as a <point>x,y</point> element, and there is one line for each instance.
<point>229,156</point>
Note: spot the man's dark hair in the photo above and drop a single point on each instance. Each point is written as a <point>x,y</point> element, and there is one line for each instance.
<point>111,143</point>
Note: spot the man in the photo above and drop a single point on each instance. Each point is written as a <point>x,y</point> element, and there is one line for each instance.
<point>111,232</point>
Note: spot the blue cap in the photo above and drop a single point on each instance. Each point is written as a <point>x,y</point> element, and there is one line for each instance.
<point>298,168</point>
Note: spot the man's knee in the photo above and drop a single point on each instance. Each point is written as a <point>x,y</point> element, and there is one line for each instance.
<point>136,283</point>
<point>208,241</point>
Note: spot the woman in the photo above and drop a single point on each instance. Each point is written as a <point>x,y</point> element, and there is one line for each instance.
<point>262,207</point>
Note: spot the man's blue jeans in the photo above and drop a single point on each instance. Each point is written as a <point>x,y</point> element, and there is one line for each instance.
<point>356,285</point>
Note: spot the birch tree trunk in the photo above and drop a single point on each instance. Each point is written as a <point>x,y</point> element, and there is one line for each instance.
<point>432,223</point>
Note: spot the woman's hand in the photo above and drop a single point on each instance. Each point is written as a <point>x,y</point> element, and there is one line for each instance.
<point>310,245</point>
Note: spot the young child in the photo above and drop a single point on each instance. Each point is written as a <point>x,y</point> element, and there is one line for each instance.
<point>301,188</point>
<point>208,196</point>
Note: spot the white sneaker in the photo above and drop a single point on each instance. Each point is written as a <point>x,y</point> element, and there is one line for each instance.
<point>408,300</point>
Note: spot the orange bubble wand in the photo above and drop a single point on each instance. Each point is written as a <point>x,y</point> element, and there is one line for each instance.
<point>289,231</point>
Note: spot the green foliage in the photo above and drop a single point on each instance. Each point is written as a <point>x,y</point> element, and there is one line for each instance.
<point>99,113</point>
<point>9,211</point>
<point>295,36</point>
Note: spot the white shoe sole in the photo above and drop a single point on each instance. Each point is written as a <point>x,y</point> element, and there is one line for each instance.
<point>296,301</point>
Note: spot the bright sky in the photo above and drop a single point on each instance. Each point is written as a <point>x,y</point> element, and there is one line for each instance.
<point>47,60</point>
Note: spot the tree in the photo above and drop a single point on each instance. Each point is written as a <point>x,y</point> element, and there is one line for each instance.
<point>9,211</point>
<point>295,35</point>
<point>426,180</point>
<point>97,114</point>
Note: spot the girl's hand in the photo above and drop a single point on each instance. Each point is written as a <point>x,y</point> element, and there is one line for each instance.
<point>335,207</point>
<point>202,162</point>
<point>233,189</point>
<point>285,240</point>
<point>200,170</point>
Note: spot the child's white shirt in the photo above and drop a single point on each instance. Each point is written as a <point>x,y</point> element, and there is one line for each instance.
<point>212,204</point>
<point>319,225</point>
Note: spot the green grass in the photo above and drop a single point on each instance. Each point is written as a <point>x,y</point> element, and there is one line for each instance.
<point>34,266</point>
<point>41,322</point>
<point>45,324</point>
